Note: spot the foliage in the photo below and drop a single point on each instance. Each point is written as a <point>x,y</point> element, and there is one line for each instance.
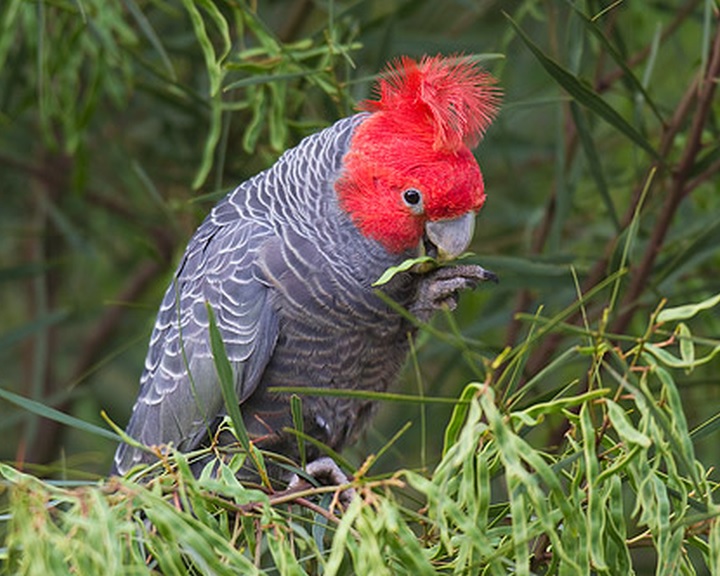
<point>586,440</point>
<point>495,503</point>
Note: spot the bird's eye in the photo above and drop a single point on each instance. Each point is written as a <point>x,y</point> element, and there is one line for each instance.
<point>412,197</point>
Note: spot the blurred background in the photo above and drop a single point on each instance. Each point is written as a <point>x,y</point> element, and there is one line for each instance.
<point>122,122</point>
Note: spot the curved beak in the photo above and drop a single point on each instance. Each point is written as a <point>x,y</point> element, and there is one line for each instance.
<point>451,237</point>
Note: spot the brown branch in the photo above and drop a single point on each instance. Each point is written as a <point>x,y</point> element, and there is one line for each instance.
<point>42,297</point>
<point>98,339</point>
<point>708,173</point>
<point>602,83</point>
<point>544,352</point>
<point>679,181</point>
<point>30,169</point>
<point>42,445</point>
<point>296,15</point>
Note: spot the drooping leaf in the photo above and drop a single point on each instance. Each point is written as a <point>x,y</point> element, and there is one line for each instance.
<point>581,92</point>
<point>688,310</point>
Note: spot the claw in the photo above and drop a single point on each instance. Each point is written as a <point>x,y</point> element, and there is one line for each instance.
<point>326,471</point>
<point>468,271</point>
<point>489,276</point>
<point>440,288</point>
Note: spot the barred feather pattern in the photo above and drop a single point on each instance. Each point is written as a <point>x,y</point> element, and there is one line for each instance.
<point>288,277</point>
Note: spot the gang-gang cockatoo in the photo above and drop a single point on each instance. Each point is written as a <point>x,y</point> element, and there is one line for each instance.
<point>287,262</point>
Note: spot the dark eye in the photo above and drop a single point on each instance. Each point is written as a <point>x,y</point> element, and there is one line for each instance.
<point>412,197</point>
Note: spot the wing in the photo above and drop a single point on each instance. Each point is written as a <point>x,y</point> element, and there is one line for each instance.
<point>179,394</point>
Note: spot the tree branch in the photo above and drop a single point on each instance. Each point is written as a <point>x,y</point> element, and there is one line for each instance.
<point>690,102</point>
<point>679,181</point>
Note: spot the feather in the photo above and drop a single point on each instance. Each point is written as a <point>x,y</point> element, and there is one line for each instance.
<point>459,99</point>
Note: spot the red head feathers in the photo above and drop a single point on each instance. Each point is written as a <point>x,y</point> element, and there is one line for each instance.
<point>417,138</point>
<point>459,100</point>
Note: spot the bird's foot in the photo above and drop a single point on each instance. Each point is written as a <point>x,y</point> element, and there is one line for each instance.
<point>441,287</point>
<point>327,473</point>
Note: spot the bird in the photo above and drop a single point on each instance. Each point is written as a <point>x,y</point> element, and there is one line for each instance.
<point>288,263</point>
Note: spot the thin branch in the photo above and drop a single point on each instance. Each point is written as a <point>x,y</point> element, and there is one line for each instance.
<point>30,169</point>
<point>610,78</point>
<point>106,327</point>
<point>679,182</point>
<point>708,173</point>
<point>690,102</point>
<point>599,271</point>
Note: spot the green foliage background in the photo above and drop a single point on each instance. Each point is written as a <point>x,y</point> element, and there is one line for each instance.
<point>591,420</point>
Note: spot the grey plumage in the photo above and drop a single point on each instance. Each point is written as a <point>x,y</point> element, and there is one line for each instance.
<point>289,279</point>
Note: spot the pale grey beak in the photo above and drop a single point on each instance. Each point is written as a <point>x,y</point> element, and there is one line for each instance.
<point>451,237</point>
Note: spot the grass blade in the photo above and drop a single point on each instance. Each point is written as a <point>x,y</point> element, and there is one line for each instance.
<point>41,409</point>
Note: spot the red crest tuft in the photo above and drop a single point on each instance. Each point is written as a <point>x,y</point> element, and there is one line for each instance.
<point>418,136</point>
<point>460,99</point>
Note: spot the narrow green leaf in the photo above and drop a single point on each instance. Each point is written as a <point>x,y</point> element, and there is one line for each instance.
<point>595,517</point>
<point>624,427</point>
<point>211,141</point>
<point>559,404</point>
<point>298,423</point>
<point>714,543</point>
<point>277,126</point>
<point>254,127</point>
<point>688,310</point>
<point>344,463</point>
<point>459,415</point>
<point>515,454</point>
<point>227,380</point>
<point>53,414</point>
<point>390,443</point>
<point>206,46</point>
<point>8,28</point>
<point>631,235</point>
<point>364,395</point>
<point>269,78</point>
<point>588,145</point>
<point>687,347</point>
<point>149,32</point>
<point>283,554</point>
<point>581,92</point>
<point>406,265</point>
<point>540,377</point>
<point>650,409</point>
<point>674,362</point>
<point>222,25</point>
<point>620,60</point>
<point>215,76</point>
<point>709,426</point>
<point>679,428</point>
<point>615,538</point>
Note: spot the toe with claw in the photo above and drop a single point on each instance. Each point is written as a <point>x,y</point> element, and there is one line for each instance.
<point>327,473</point>
<point>441,287</point>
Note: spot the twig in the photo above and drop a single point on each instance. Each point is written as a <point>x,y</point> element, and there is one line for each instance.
<point>297,14</point>
<point>710,171</point>
<point>687,104</point>
<point>113,315</point>
<point>540,237</point>
<point>610,78</point>
<point>679,181</point>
